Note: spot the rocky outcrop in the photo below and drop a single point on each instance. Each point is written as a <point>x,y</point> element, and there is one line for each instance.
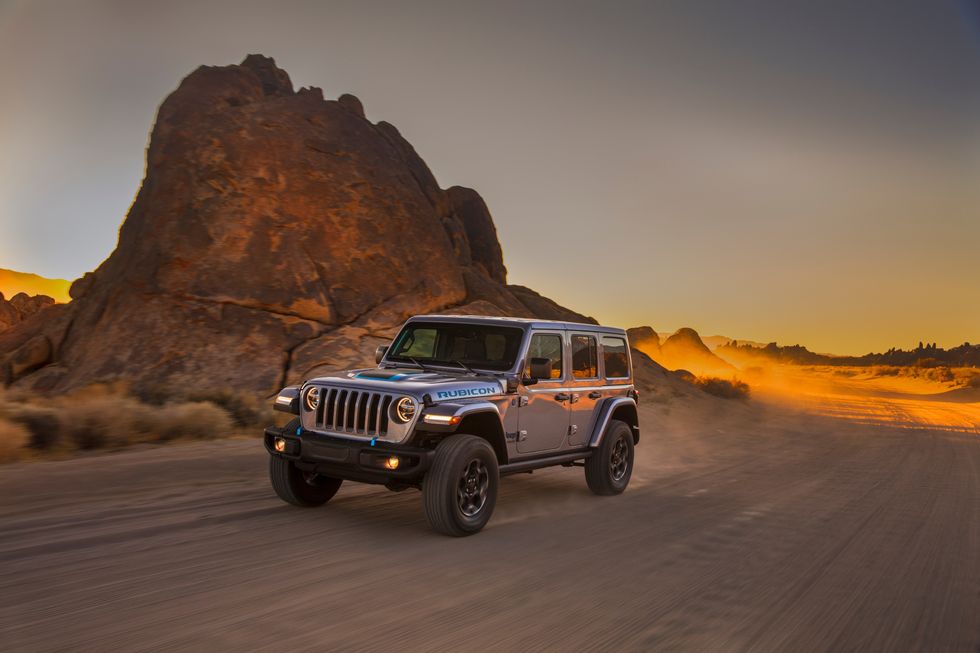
<point>685,350</point>
<point>19,307</point>
<point>645,339</point>
<point>275,235</point>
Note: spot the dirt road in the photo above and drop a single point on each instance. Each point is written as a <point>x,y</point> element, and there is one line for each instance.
<point>746,528</point>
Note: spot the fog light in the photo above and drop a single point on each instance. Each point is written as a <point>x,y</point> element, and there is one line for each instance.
<point>280,444</point>
<point>392,462</point>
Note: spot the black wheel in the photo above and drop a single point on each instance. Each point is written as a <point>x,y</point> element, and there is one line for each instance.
<point>459,492</point>
<point>608,469</point>
<point>298,487</point>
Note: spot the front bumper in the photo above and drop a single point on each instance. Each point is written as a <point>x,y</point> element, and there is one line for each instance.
<point>351,460</point>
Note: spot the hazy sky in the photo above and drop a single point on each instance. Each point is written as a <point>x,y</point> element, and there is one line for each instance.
<point>800,172</point>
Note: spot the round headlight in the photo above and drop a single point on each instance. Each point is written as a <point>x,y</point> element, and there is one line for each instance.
<point>312,397</point>
<point>405,409</point>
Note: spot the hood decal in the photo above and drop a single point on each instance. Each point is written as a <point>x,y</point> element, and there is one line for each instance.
<point>460,393</point>
<point>381,375</point>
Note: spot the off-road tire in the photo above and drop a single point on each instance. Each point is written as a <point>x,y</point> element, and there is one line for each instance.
<point>299,488</point>
<point>602,471</point>
<point>445,487</point>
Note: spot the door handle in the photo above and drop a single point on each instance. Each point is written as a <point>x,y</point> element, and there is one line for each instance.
<point>562,396</point>
<point>595,394</point>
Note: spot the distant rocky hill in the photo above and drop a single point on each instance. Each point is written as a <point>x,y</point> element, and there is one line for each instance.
<point>925,355</point>
<point>13,283</point>
<point>275,235</point>
<point>645,339</point>
<point>714,342</point>
<point>684,349</point>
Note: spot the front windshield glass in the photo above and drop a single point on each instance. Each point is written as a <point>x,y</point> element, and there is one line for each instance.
<point>478,346</point>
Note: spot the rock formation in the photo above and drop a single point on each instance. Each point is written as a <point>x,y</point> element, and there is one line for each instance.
<point>20,307</point>
<point>685,350</point>
<point>275,235</point>
<point>645,339</point>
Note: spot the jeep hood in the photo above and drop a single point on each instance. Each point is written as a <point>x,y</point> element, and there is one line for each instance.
<point>440,385</point>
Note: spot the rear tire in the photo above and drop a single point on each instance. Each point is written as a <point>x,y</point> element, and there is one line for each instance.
<point>609,468</point>
<point>459,492</point>
<point>297,487</point>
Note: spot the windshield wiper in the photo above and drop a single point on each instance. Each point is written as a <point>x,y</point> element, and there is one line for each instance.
<point>464,366</point>
<point>419,364</point>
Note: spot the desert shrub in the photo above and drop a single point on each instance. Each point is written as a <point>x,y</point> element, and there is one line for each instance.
<point>108,417</point>
<point>244,408</point>
<point>106,421</point>
<point>43,423</point>
<point>973,381</point>
<point>724,388</point>
<point>14,439</point>
<point>885,370</point>
<point>194,420</point>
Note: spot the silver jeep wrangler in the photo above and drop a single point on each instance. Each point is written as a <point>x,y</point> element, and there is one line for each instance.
<point>455,403</point>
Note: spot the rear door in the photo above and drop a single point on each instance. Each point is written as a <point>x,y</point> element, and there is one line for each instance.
<point>544,419</point>
<point>586,387</point>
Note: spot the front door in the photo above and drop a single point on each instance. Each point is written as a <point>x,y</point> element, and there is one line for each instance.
<point>544,419</point>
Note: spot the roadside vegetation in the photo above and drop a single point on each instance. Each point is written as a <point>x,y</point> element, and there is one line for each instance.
<point>724,388</point>
<point>112,417</point>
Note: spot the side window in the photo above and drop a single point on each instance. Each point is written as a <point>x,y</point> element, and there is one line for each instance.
<point>615,357</point>
<point>545,345</point>
<point>585,360</point>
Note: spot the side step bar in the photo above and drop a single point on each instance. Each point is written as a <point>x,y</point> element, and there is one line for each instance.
<point>548,461</point>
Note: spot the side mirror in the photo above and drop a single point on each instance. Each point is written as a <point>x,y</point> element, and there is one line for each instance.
<point>540,369</point>
<point>380,352</point>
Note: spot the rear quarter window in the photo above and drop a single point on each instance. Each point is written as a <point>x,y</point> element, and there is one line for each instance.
<point>615,357</point>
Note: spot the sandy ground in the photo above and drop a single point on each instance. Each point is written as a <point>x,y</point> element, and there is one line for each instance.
<point>747,527</point>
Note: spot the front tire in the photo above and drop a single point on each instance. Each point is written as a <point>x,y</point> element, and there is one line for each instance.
<point>609,468</point>
<point>299,488</point>
<point>459,492</point>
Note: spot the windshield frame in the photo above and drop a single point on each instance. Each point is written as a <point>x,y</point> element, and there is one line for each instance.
<point>447,365</point>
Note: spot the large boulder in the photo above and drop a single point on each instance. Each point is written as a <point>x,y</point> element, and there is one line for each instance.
<point>275,234</point>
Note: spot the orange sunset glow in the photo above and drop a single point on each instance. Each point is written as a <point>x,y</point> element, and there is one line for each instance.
<point>12,282</point>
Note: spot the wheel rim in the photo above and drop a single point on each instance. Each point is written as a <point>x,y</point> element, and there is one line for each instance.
<point>311,478</point>
<point>619,462</point>
<point>471,491</point>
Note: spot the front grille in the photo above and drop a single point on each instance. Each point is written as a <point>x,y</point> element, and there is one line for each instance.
<point>357,412</point>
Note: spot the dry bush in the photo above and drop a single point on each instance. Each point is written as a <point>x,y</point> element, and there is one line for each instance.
<point>106,422</point>
<point>107,417</point>
<point>724,388</point>
<point>244,408</point>
<point>14,439</point>
<point>193,420</point>
<point>43,423</point>
<point>112,422</point>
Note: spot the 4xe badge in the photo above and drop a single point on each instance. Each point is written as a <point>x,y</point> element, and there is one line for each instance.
<point>480,391</point>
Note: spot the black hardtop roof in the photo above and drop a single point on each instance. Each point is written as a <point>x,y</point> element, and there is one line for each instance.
<point>522,322</point>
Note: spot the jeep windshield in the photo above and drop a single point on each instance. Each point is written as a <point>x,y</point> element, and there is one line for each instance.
<point>458,345</point>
